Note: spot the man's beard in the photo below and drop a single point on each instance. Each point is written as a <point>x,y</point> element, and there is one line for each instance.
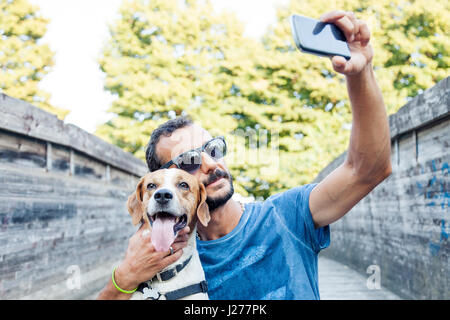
<point>216,202</point>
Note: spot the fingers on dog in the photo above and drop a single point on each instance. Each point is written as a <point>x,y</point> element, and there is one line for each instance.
<point>182,238</point>
<point>176,246</point>
<point>171,258</point>
<point>184,231</point>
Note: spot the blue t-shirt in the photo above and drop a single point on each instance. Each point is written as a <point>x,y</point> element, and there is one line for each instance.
<point>270,254</point>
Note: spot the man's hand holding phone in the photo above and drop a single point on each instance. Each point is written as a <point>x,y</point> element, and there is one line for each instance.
<point>338,35</point>
<point>357,35</point>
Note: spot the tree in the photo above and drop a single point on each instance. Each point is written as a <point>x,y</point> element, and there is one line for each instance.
<point>166,58</point>
<point>410,40</point>
<point>310,100</point>
<point>285,114</point>
<point>23,61</point>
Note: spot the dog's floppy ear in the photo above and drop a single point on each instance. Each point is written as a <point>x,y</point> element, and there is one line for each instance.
<point>134,204</point>
<point>203,209</point>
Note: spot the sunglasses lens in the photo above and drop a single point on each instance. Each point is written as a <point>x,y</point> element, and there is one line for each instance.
<point>189,161</point>
<point>192,160</point>
<point>216,149</point>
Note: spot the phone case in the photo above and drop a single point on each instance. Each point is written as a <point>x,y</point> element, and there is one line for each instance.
<point>318,38</point>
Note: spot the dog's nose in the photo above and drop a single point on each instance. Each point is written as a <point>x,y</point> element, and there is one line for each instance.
<point>163,196</point>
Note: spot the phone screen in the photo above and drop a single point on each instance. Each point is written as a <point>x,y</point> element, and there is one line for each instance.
<point>319,38</point>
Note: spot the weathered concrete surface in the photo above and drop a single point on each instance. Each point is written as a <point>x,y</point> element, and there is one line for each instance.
<point>63,216</point>
<point>339,282</point>
<point>402,226</point>
<point>21,117</point>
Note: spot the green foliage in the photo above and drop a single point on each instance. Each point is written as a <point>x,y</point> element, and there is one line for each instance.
<point>23,61</point>
<point>167,58</point>
<point>411,54</point>
<point>285,114</point>
<point>410,40</point>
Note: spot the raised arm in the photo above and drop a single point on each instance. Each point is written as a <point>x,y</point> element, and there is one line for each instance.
<point>368,156</point>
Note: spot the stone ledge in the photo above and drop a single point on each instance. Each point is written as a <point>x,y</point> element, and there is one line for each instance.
<point>21,117</point>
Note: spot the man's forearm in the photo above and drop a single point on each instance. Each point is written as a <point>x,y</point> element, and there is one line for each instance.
<point>370,144</point>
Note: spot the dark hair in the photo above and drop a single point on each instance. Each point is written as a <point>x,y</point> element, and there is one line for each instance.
<point>165,129</point>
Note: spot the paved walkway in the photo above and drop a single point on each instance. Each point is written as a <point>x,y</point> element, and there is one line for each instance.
<point>339,282</point>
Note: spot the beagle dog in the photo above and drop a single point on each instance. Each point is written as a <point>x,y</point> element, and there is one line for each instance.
<point>165,201</point>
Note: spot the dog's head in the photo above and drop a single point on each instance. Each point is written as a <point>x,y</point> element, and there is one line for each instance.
<point>168,200</point>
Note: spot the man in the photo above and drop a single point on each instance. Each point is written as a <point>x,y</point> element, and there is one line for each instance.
<point>268,250</point>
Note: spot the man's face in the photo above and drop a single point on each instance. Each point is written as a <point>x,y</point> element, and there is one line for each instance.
<point>212,173</point>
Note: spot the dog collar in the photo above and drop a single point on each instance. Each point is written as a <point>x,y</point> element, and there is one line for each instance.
<point>169,274</point>
<point>150,293</point>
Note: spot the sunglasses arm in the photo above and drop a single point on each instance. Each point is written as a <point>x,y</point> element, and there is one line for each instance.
<point>167,165</point>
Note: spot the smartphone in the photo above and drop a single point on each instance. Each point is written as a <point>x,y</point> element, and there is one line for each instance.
<point>319,38</point>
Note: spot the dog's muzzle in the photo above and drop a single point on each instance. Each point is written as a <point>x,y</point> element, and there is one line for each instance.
<point>166,219</point>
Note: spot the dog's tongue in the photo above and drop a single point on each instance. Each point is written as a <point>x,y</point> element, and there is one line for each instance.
<point>162,233</point>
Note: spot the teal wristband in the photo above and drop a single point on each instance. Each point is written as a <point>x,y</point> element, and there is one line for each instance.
<point>117,287</point>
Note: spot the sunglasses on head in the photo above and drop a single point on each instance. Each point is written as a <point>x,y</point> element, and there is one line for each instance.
<point>191,160</point>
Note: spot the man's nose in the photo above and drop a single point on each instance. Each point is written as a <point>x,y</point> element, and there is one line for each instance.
<point>163,196</point>
<point>208,163</point>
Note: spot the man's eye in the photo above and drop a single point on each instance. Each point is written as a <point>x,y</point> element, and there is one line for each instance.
<point>151,186</point>
<point>184,185</point>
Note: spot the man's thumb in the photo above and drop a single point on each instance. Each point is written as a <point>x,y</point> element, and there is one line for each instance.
<point>338,63</point>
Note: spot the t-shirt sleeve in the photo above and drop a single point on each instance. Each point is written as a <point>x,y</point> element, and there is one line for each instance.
<point>293,208</point>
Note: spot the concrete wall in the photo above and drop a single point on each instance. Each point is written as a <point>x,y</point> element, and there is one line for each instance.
<point>403,224</point>
<point>63,220</point>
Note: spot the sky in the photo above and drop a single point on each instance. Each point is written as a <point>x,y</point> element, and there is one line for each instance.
<point>76,34</point>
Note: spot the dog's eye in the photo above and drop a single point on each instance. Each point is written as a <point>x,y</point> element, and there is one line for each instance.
<point>151,186</point>
<point>184,185</point>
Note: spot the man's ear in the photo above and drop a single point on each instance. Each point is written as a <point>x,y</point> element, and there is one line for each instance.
<point>203,209</point>
<point>134,204</point>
